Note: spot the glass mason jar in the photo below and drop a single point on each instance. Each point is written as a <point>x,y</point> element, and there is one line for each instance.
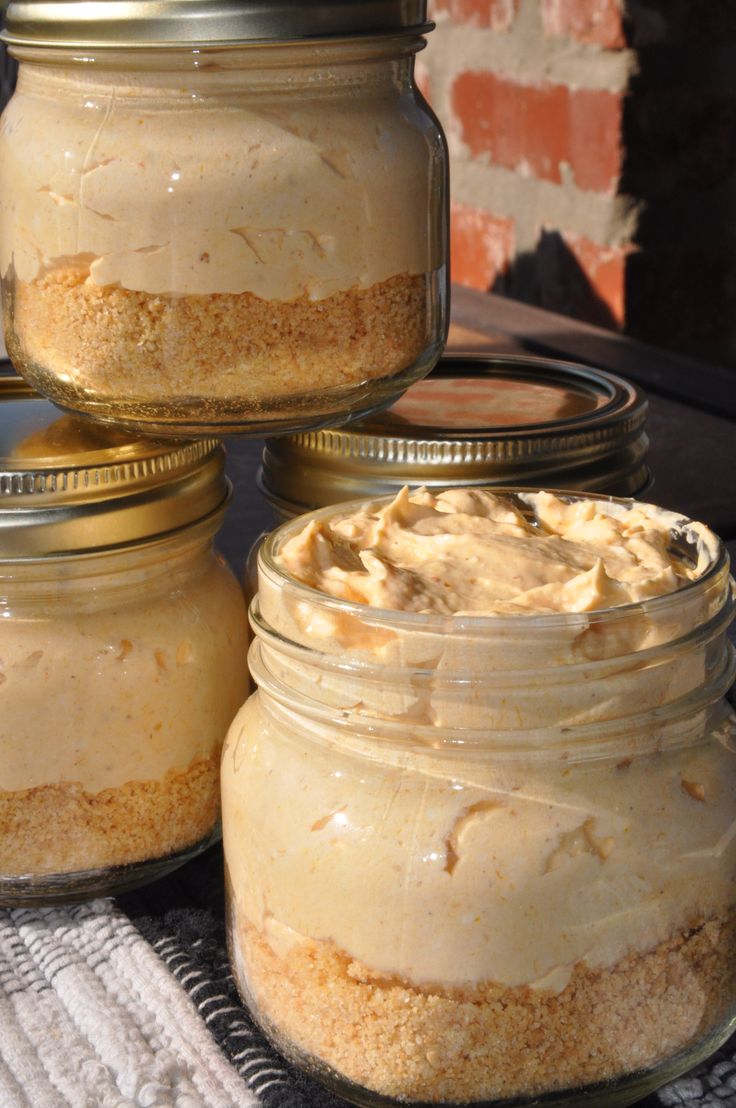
<point>486,859</point>
<point>219,220</point>
<point>122,653</point>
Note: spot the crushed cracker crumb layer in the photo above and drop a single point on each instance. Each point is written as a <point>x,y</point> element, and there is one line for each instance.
<point>491,1041</point>
<point>63,829</point>
<point>111,341</point>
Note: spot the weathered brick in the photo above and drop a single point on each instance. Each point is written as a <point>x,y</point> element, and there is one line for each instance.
<point>595,124</point>
<point>581,278</point>
<point>537,128</point>
<point>482,246</point>
<point>595,21</point>
<point>497,14</point>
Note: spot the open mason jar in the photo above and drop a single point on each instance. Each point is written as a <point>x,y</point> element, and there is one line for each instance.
<point>221,218</point>
<point>487,858</point>
<point>122,652</point>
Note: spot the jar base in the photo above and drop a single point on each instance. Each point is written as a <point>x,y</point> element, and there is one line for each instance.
<point>197,382</point>
<point>618,1031</point>
<point>70,888</point>
<point>198,416</point>
<point>618,1093</point>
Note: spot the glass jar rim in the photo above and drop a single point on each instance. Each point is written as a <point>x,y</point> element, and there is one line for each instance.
<point>717,567</point>
<point>359,668</point>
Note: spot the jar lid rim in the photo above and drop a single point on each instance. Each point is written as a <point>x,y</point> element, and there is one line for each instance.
<point>477,419</point>
<point>177,24</point>
<point>69,485</point>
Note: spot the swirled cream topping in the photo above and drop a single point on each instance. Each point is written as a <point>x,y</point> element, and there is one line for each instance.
<point>468,550</point>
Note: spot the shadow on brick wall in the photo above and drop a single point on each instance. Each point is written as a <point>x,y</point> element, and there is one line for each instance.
<point>552,277</point>
<point>678,284</point>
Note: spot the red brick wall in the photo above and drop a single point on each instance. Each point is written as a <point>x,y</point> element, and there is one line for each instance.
<point>593,158</point>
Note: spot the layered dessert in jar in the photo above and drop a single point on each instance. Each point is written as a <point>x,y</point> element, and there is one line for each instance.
<point>479,817</point>
<point>116,696</point>
<point>221,246</point>
<point>123,644</point>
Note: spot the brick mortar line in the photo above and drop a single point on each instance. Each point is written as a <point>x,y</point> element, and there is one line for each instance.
<point>532,203</point>
<point>524,57</point>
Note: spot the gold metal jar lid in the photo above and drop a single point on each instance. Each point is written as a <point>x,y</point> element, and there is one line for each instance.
<point>207,23</point>
<point>476,420</point>
<point>69,486</point>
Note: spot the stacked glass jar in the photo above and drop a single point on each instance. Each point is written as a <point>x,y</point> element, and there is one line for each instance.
<point>122,652</point>
<point>212,219</point>
<point>221,219</point>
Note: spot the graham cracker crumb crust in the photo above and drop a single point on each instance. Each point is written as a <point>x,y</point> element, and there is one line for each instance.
<point>113,341</point>
<point>491,1041</point>
<point>62,828</point>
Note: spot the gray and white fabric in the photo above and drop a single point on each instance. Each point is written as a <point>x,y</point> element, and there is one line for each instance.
<point>91,1017</point>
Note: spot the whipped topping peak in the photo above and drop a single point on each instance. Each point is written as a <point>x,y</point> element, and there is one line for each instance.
<point>468,550</point>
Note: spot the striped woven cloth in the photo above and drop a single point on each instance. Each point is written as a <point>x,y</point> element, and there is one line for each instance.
<point>90,1016</point>
<point>112,1005</point>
